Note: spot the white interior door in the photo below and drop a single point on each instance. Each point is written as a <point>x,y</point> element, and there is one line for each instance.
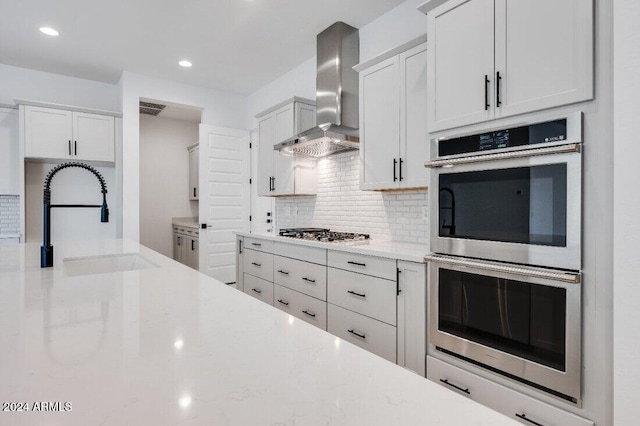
<point>224,197</point>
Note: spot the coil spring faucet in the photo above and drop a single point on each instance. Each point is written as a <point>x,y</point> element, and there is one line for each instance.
<point>46,251</point>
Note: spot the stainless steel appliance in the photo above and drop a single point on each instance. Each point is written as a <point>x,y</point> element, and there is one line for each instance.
<point>512,195</point>
<point>338,51</point>
<point>521,322</point>
<point>322,234</point>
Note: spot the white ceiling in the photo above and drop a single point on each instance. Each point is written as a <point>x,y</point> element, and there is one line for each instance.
<point>237,45</point>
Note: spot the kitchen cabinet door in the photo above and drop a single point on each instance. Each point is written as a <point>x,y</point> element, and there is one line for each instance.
<point>283,165</point>
<point>179,247</point>
<point>192,252</point>
<point>48,133</point>
<point>414,134</point>
<point>93,137</point>
<point>9,152</point>
<point>194,192</point>
<point>544,54</point>
<point>239,263</point>
<point>380,125</point>
<point>266,136</point>
<point>460,63</point>
<point>412,316</point>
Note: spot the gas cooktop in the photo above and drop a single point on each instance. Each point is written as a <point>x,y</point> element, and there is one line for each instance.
<point>322,234</point>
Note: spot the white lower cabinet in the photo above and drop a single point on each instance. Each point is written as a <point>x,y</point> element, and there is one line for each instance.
<point>500,398</point>
<point>185,246</point>
<point>304,277</point>
<point>372,335</point>
<point>239,264</point>
<point>258,288</point>
<point>307,308</point>
<point>258,264</point>
<point>412,316</point>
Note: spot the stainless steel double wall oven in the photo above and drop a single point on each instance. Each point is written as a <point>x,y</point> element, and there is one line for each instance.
<point>506,210</point>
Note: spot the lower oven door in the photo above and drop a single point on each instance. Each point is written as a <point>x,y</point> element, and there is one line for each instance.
<point>518,321</point>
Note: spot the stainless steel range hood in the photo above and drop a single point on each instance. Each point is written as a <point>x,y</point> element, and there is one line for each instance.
<point>336,97</point>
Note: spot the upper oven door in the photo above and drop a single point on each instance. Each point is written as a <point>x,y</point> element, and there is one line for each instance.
<point>521,207</point>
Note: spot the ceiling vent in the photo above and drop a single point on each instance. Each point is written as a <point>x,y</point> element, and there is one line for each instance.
<point>151,108</point>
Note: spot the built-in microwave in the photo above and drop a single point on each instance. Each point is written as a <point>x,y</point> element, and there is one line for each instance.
<point>511,195</point>
<point>520,322</point>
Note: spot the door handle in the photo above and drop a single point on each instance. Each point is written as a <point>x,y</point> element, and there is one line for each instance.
<point>284,302</point>
<point>356,263</point>
<point>498,79</point>
<point>524,417</point>
<point>194,193</point>
<point>75,147</point>
<point>362,336</point>
<point>283,272</point>
<point>486,92</point>
<point>395,163</point>
<point>179,242</point>
<point>309,280</point>
<point>256,264</point>
<point>401,169</point>
<point>448,383</point>
<point>69,146</point>
<point>311,314</point>
<point>192,245</point>
<point>357,294</point>
<point>256,290</point>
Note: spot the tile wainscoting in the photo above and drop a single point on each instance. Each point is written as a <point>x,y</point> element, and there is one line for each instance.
<point>341,206</point>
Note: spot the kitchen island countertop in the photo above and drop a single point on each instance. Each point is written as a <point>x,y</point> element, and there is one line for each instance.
<point>168,345</point>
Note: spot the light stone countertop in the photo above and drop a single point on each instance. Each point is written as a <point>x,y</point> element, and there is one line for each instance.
<point>186,222</point>
<point>168,345</point>
<point>381,248</point>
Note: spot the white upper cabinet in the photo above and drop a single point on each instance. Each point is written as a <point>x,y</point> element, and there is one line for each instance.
<point>497,58</point>
<point>280,174</point>
<point>544,54</point>
<point>9,152</point>
<point>68,135</point>
<point>393,130</point>
<point>194,176</point>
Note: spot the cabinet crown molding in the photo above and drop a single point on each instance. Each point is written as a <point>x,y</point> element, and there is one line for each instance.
<point>67,107</point>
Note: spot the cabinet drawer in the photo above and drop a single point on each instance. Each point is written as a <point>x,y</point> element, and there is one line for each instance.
<point>370,296</point>
<point>258,288</point>
<point>305,277</point>
<point>299,305</point>
<point>370,265</point>
<point>500,398</point>
<point>258,244</point>
<point>369,334</point>
<point>258,264</point>
<point>296,251</point>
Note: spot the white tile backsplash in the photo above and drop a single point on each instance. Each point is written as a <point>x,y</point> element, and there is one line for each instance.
<point>9,215</point>
<point>341,206</point>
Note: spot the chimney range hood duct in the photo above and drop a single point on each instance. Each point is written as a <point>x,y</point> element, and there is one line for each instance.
<point>336,97</point>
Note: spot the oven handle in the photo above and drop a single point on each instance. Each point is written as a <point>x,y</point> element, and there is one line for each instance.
<point>566,277</point>
<point>561,149</point>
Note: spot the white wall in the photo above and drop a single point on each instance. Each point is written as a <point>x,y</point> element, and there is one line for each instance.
<point>218,108</point>
<point>164,179</point>
<point>22,83</point>
<point>626,91</point>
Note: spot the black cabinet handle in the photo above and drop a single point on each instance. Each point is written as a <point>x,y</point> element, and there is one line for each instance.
<point>179,241</point>
<point>486,92</point>
<point>192,245</point>
<point>311,314</point>
<point>283,272</point>
<point>256,290</point>
<point>256,244</point>
<point>239,246</point>
<point>526,419</point>
<point>256,264</point>
<point>446,382</point>
<point>356,263</point>
<point>284,302</point>
<point>395,163</point>
<point>194,193</point>
<point>401,169</point>
<point>75,147</point>
<point>362,336</point>
<point>356,294</point>
<point>69,146</point>
<point>309,280</point>
<point>498,79</point>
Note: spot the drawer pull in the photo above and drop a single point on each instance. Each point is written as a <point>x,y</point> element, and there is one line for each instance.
<point>357,264</point>
<point>256,290</point>
<point>309,280</point>
<point>356,294</point>
<point>256,244</point>
<point>311,314</point>
<point>284,302</point>
<point>524,417</point>
<point>446,382</point>
<point>362,336</point>
<point>283,272</point>
<point>256,264</point>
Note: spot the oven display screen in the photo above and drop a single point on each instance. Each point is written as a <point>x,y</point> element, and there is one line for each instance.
<point>551,131</point>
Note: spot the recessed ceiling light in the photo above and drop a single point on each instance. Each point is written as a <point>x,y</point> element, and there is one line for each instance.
<point>49,31</point>
<point>185,63</point>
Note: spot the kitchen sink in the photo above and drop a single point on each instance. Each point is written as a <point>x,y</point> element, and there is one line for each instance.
<point>104,264</point>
